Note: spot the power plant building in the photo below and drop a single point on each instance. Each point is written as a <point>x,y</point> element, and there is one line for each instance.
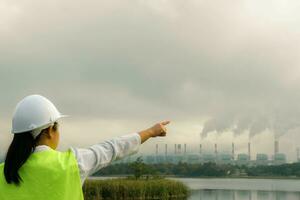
<point>243,159</point>
<point>279,159</point>
<point>261,159</point>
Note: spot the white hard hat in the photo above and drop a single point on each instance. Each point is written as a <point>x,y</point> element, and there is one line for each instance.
<point>34,113</point>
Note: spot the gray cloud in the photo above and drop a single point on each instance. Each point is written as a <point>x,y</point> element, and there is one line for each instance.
<point>234,63</point>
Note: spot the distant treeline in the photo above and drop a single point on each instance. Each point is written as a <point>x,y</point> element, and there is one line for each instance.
<point>203,170</point>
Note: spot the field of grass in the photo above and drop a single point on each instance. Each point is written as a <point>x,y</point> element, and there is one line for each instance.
<point>134,189</point>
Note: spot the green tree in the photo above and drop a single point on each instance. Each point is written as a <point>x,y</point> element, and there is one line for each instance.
<point>139,168</point>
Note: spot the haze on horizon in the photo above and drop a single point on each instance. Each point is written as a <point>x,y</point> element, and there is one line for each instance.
<point>225,71</point>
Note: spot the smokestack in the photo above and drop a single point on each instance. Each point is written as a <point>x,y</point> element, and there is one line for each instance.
<point>156,149</point>
<point>166,149</point>
<point>184,148</point>
<point>179,148</point>
<point>200,148</point>
<point>249,150</point>
<point>276,147</point>
<point>232,151</point>
<point>298,154</point>
<point>216,149</point>
<point>175,149</point>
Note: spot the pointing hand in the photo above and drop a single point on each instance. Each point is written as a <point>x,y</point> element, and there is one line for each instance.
<point>159,129</point>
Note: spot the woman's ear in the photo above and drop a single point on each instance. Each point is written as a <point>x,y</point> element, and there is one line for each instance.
<point>51,131</point>
<point>47,132</point>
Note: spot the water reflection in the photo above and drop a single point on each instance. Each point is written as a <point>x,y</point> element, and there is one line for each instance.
<point>243,195</point>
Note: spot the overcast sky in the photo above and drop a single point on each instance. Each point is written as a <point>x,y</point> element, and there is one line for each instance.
<point>220,71</point>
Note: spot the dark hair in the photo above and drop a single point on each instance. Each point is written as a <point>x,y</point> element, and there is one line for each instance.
<point>22,145</point>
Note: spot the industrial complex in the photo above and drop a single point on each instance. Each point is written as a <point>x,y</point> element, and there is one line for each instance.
<point>180,154</point>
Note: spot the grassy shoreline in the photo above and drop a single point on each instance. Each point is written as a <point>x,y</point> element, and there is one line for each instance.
<point>239,177</point>
<point>214,177</point>
<point>124,188</point>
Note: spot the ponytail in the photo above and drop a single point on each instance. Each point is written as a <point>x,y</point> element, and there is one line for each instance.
<point>22,145</point>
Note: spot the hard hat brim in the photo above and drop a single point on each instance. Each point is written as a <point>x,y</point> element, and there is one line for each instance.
<point>45,125</point>
<point>64,116</point>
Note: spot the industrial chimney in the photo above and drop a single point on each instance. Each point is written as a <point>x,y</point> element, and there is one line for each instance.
<point>298,154</point>
<point>249,150</point>
<point>216,149</point>
<point>156,149</point>
<point>175,148</point>
<point>200,148</point>
<point>184,148</point>
<point>232,151</point>
<point>179,148</point>
<point>166,149</point>
<point>276,147</point>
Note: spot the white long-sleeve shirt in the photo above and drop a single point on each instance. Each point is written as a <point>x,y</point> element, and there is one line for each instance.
<point>99,155</point>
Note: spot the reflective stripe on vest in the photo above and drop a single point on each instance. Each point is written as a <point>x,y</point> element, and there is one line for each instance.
<point>47,175</point>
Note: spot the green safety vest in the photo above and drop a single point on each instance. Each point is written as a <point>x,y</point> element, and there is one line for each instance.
<point>47,175</point>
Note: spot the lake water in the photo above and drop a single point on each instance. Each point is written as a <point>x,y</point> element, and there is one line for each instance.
<point>243,195</point>
<point>242,189</point>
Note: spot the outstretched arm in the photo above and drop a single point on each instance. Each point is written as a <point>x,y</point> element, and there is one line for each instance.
<point>95,157</point>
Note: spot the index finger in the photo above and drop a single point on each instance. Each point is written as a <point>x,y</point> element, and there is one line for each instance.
<point>165,122</point>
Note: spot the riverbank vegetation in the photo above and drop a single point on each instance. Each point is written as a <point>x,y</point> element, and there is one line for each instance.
<point>144,184</point>
<point>131,188</point>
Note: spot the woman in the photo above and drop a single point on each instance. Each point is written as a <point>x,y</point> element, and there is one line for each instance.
<point>33,169</point>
